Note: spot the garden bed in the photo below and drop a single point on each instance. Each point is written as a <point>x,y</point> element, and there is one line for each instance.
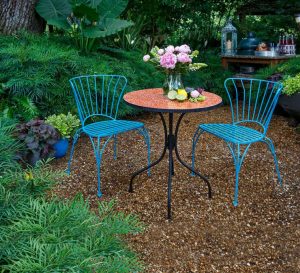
<point>260,235</point>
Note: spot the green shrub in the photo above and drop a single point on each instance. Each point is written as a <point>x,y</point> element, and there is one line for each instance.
<point>43,234</point>
<point>291,85</point>
<point>65,124</point>
<point>84,21</point>
<point>286,69</point>
<point>9,146</point>
<point>38,68</point>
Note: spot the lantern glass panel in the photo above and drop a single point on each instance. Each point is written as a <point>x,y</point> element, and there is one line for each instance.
<point>229,39</point>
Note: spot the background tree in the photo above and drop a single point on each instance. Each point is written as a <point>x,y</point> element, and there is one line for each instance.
<point>19,14</point>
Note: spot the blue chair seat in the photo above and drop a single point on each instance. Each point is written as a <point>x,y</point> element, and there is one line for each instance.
<point>111,127</point>
<point>233,133</point>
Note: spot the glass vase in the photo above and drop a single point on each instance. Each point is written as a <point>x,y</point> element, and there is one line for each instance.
<point>173,81</point>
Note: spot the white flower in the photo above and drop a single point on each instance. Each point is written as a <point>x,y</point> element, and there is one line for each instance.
<point>170,49</point>
<point>160,51</point>
<point>146,58</point>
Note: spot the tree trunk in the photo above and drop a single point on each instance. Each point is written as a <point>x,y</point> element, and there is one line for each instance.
<point>18,15</point>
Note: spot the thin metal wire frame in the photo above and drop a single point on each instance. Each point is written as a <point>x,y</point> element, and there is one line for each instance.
<point>91,101</point>
<point>238,158</point>
<point>235,135</point>
<point>258,103</point>
<point>99,150</point>
<point>170,143</point>
<point>100,95</point>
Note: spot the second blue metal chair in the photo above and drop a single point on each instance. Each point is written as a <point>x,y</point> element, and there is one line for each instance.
<point>252,102</point>
<point>97,98</point>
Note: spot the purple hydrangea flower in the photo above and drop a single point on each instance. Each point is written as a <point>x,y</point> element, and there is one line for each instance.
<point>184,49</point>
<point>170,49</point>
<point>168,60</point>
<point>184,58</point>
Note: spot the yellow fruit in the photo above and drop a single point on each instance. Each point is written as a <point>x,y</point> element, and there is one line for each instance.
<point>182,92</point>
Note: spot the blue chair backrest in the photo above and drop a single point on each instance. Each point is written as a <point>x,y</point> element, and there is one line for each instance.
<point>98,95</point>
<point>252,100</point>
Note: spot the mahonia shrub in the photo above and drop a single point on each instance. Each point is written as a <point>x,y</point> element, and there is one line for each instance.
<point>35,72</point>
<point>41,233</point>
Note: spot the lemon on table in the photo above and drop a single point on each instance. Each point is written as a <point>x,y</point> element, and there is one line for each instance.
<point>172,95</point>
<point>182,92</point>
<point>181,97</point>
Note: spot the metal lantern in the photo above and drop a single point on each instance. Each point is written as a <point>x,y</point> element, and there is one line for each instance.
<point>229,39</point>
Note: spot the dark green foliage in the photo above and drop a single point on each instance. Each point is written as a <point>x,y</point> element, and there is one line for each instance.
<point>38,138</point>
<point>8,145</point>
<point>288,68</point>
<point>39,68</point>
<point>42,235</point>
<point>268,27</point>
<point>84,21</point>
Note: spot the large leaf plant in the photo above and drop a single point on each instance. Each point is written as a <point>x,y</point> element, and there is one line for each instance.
<point>85,20</point>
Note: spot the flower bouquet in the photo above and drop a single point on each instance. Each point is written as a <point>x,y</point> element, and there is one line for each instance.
<point>175,61</point>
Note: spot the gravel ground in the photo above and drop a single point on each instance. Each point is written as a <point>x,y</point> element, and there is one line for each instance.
<point>262,234</point>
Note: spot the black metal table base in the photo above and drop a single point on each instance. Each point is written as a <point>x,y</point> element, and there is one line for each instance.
<point>171,145</point>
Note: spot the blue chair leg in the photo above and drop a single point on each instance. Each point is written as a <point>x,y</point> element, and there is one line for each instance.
<point>235,150</point>
<point>236,187</point>
<point>98,162</point>
<point>98,152</point>
<point>196,137</point>
<point>75,139</point>
<point>238,159</point>
<point>270,144</point>
<point>115,146</point>
<point>98,157</point>
<point>144,132</point>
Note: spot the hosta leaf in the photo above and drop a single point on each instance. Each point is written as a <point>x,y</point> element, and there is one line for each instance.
<point>94,3</point>
<point>86,11</point>
<point>50,9</point>
<point>93,32</point>
<point>59,23</point>
<point>108,27</point>
<point>112,8</point>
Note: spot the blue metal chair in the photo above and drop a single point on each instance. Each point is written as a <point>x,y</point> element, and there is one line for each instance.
<point>97,98</point>
<point>252,103</point>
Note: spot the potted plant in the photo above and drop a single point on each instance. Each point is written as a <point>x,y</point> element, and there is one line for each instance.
<point>38,138</point>
<point>65,125</point>
<point>290,100</point>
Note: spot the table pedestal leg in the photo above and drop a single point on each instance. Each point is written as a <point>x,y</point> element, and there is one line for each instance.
<point>170,144</point>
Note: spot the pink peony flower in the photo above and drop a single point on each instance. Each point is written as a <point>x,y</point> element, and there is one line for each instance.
<point>184,58</point>
<point>170,49</point>
<point>168,60</point>
<point>177,48</point>
<point>146,58</point>
<point>184,49</point>
<point>160,52</point>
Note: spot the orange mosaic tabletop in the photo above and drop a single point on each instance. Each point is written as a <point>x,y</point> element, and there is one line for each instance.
<point>154,100</point>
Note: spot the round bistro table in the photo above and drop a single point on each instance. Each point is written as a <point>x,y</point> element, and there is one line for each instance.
<point>153,100</point>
